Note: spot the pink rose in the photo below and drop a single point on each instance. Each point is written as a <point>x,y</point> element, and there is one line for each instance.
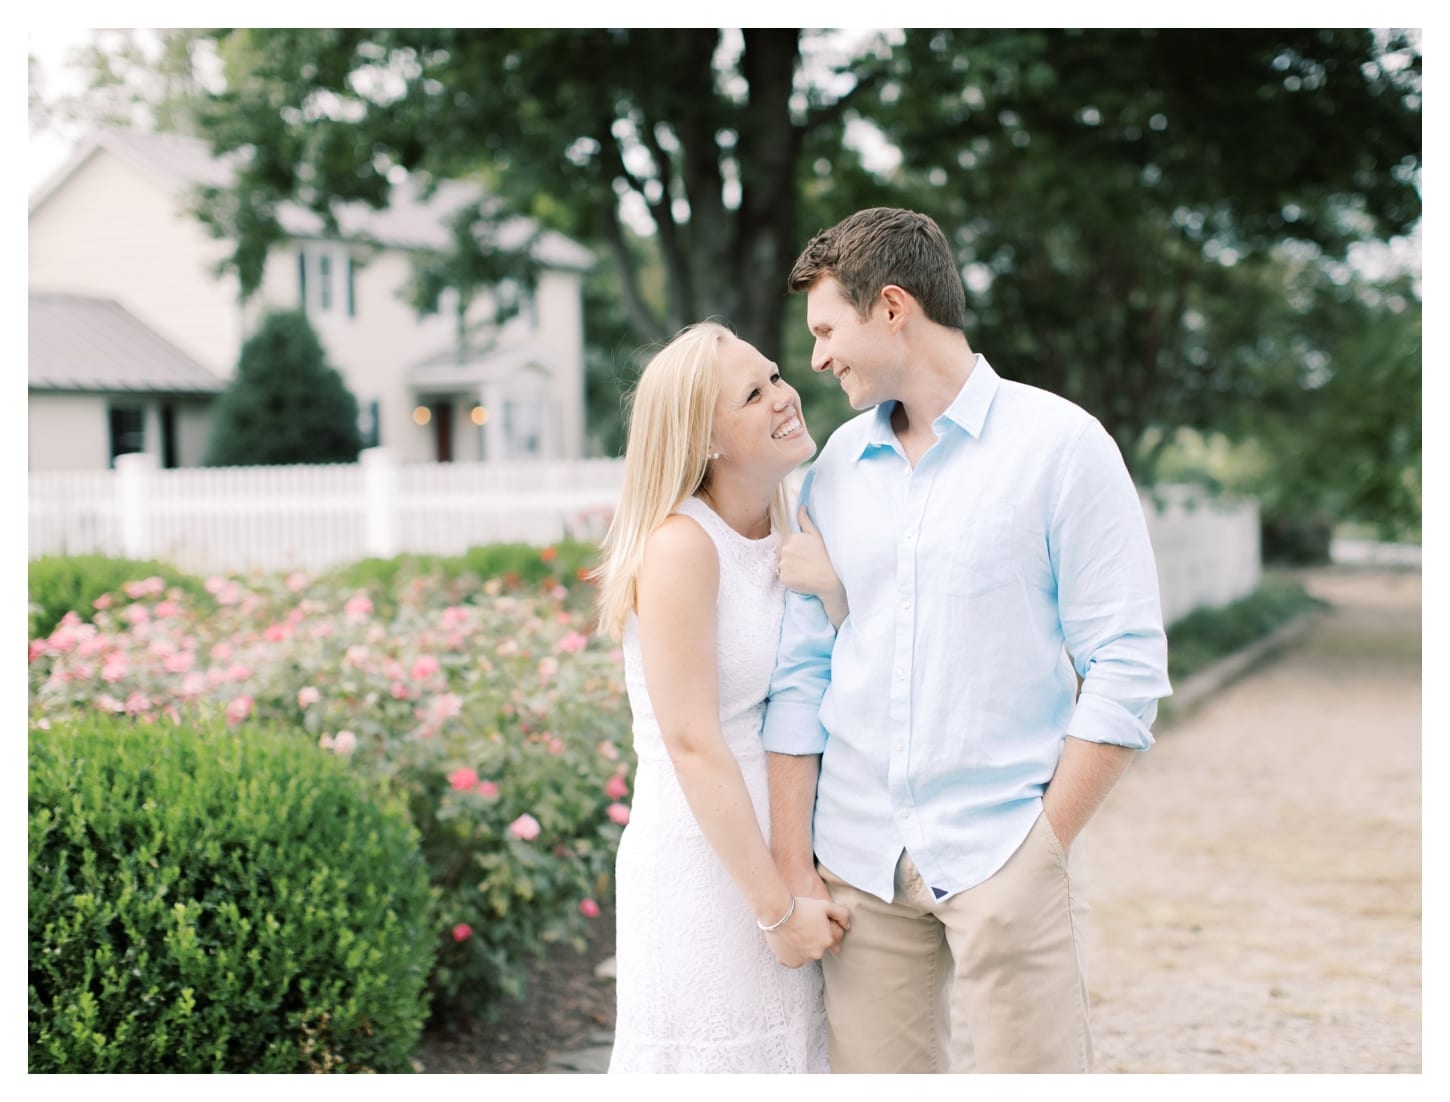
<point>487,789</point>
<point>608,750</point>
<point>358,606</point>
<point>277,633</point>
<point>548,666</point>
<point>136,614</point>
<point>102,602</point>
<point>400,691</point>
<point>180,662</point>
<point>425,667</point>
<point>573,643</point>
<point>462,932</point>
<point>115,666</point>
<point>588,908</point>
<point>445,706</point>
<point>345,743</point>
<point>556,746</point>
<point>507,649</point>
<point>238,709</point>
<point>137,703</point>
<point>38,647</point>
<point>167,610</point>
<point>618,812</point>
<point>296,581</point>
<point>463,779</point>
<point>616,789</point>
<point>222,652</point>
<point>307,696</point>
<point>525,828</point>
<point>194,684</point>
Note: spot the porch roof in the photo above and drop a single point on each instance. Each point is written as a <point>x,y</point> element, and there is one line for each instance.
<point>78,342</point>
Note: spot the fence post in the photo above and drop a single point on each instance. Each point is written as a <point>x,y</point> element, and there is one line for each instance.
<point>133,473</point>
<point>381,480</point>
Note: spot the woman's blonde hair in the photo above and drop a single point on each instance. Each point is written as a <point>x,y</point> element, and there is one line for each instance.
<point>666,459</point>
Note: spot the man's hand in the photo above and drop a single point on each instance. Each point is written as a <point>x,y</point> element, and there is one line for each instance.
<point>1085,774</point>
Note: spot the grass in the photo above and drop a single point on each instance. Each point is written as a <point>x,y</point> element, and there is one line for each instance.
<point>1208,634</point>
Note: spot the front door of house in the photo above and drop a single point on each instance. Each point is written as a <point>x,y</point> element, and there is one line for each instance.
<point>443,431</point>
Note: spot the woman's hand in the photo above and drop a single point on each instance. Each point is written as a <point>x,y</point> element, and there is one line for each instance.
<point>806,567</point>
<point>815,926</point>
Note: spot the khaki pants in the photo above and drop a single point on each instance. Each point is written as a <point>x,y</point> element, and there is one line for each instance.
<point>991,979</point>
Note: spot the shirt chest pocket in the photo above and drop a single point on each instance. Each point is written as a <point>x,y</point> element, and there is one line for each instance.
<point>980,554</point>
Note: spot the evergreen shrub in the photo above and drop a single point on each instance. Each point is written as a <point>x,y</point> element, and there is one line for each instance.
<point>214,900</point>
<point>286,404</point>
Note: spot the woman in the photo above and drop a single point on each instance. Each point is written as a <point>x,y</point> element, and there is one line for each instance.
<point>710,943</point>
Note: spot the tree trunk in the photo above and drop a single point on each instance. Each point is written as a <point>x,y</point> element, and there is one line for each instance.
<point>768,148</point>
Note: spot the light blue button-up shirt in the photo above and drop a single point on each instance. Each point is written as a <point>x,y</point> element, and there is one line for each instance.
<point>1015,550</point>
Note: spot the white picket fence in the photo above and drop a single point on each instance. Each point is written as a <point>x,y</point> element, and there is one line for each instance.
<point>315,517</point>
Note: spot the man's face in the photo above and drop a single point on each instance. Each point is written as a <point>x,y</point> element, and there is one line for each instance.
<point>853,350</point>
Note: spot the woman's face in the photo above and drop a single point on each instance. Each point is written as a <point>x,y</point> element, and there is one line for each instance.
<point>759,427</point>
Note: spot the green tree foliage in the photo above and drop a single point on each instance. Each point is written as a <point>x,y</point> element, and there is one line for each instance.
<point>1108,189</point>
<point>286,404</point>
<point>1115,195</point>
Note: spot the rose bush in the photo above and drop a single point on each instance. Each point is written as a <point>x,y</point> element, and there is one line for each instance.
<point>489,705</point>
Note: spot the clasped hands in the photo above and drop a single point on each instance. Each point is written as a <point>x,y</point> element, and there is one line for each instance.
<point>817,925</point>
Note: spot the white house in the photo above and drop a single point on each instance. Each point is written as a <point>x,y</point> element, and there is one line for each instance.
<point>122,274</point>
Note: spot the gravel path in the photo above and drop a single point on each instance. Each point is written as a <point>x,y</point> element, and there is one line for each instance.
<point>1255,877</point>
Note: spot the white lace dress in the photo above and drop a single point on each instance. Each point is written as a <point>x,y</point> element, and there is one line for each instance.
<point>698,989</point>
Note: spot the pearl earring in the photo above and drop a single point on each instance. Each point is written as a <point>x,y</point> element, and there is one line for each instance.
<point>714,455</point>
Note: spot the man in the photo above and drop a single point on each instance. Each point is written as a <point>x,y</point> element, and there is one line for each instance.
<point>989,540</point>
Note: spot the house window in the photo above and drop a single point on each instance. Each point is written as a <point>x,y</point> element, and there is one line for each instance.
<point>351,288</point>
<point>302,280</point>
<point>324,282</point>
<point>367,423</point>
<point>523,429</point>
<point>128,430</point>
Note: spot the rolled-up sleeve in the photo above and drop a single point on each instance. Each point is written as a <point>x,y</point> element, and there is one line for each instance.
<point>802,670</point>
<point>1108,599</point>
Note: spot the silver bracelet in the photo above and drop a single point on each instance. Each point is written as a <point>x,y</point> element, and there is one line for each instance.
<point>783,919</point>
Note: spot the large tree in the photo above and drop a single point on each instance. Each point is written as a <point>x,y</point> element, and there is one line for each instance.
<point>1115,196</point>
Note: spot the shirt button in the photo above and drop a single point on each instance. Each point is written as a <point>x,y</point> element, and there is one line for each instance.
<point>909,533</point>
<point>906,815</point>
<point>906,605</point>
<point>901,675</point>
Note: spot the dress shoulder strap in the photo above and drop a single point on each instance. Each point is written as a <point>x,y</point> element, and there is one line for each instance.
<point>697,510</point>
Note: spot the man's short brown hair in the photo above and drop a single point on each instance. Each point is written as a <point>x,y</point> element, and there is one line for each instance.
<point>880,246</point>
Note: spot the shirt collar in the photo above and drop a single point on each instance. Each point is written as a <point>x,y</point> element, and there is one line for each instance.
<point>968,410</point>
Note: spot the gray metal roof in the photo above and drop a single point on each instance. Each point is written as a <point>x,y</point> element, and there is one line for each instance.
<point>409,221</point>
<point>77,342</point>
